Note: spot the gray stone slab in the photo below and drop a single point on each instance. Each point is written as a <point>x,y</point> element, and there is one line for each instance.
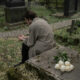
<point>46,62</point>
<point>15,14</point>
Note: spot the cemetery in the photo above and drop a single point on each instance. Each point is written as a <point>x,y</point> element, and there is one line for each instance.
<point>62,62</point>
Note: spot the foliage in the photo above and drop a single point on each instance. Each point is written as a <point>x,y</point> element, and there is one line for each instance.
<point>2,21</point>
<point>53,3</point>
<point>2,17</point>
<point>46,14</point>
<point>14,74</point>
<point>5,28</point>
<point>72,41</point>
<point>77,23</point>
<point>9,55</point>
<point>65,34</point>
<point>9,49</point>
<point>61,56</point>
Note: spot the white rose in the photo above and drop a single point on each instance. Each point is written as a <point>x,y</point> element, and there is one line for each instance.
<point>63,68</point>
<point>61,62</point>
<point>71,67</point>
<point>67,63</point>
<point>67,68</point>
<point>57,66</point>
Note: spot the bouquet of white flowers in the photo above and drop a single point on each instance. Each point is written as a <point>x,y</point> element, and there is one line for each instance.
<point>63,62</point>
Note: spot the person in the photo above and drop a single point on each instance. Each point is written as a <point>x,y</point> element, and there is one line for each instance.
<point>40,39</point>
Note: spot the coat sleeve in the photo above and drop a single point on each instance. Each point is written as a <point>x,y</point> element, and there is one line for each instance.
<point>30,41</point>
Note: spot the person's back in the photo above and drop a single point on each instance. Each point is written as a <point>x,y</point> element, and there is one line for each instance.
<point>43,36</point>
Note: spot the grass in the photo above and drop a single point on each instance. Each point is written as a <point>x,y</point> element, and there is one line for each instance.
<point>11,28</point>
<point>2,17</point>
<point>74,47</point>
<point>1,10</point>
<point>9,54</point>
<point>10,48</point>
<point>46,13</point>
<point>62,33</point>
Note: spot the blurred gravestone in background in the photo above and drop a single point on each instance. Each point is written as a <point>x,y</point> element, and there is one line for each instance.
<point>71,6</point>
<point>14,10</point>
<point>78,5</point>
<point>2,2</point>
<point>15,3</point>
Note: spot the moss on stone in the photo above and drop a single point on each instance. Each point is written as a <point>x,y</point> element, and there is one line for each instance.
<point>14,74</point>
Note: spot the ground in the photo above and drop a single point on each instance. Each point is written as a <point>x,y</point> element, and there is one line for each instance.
<point>9,54</point>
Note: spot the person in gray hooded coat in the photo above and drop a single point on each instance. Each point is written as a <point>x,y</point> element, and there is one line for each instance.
<point>40,39</point>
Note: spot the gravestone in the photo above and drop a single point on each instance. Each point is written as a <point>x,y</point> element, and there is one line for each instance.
<point>78,5</point>
<point>2,2</point>
<point>15,3</point>
<point>15,10</point>
<point>69,7</point>
<point>44,65</point>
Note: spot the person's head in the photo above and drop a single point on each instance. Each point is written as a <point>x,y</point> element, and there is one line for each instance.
<point>29,16</point>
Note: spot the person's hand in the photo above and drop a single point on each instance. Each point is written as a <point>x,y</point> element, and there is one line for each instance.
<point>21,37</point>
